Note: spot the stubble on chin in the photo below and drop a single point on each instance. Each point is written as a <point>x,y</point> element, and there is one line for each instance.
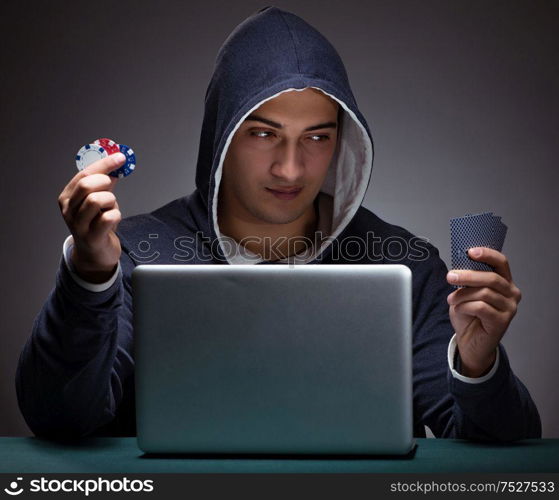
<point>276,217</point>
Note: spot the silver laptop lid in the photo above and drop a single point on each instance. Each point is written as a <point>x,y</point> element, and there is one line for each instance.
<point>273,359</point>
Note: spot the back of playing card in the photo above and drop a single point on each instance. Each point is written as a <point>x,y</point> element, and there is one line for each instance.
<point>475,230</point>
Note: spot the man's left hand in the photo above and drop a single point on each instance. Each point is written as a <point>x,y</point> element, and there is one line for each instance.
<point>482,312</point>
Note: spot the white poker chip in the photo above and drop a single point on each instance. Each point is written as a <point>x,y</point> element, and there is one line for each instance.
<point>89,154</point>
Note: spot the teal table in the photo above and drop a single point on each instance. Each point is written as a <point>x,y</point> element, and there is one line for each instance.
<point>121,455</point>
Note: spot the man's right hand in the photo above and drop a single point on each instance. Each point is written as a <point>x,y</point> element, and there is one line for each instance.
<point>91,212</point>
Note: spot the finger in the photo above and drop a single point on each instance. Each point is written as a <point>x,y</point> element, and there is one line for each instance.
<point>92,206</point>
<point>102,166</point>
<point>498,301</point>
<point>487,314</point>
<point>464,277</point>
<point>495,259</point>
<point>86,186</point>
<point>105,222</point>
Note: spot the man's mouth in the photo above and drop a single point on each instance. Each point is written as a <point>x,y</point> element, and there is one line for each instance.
<point>285,193</point>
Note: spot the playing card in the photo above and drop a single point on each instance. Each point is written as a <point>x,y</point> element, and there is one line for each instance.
<point>475,230</point>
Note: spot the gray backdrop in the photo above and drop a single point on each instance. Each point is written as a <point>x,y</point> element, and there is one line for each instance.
<point>461,97</point>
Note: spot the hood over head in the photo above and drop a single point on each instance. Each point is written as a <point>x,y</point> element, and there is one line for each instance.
<point>271,52</point>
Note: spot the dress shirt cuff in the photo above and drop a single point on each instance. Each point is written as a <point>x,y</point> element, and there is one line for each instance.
<point>451,353</point>
<point>92,287</point>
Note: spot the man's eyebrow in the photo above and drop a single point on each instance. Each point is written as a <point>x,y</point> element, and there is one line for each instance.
<point>273,124</point>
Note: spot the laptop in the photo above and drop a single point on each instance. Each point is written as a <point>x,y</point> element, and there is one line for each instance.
<point>273,359</point>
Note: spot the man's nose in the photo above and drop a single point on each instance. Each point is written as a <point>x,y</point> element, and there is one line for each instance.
<point>289,163</point>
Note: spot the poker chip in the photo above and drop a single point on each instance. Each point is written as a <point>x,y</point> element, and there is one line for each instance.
<point>110,146</point>
<point>101,148</point>
<point>128,166</point>
<point>89,154</point>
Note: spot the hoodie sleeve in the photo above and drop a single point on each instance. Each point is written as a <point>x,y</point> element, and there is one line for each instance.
<point>499,408</point>
<point>71,371</point>
<point>97,287</point>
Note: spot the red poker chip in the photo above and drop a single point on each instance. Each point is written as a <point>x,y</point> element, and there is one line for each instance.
<point>110,146</point>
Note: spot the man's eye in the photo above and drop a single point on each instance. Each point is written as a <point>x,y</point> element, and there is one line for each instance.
<point>319,138</point>
<point>264,134</point>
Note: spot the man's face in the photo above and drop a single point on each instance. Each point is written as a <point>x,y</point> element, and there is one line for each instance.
<point>278,158</point>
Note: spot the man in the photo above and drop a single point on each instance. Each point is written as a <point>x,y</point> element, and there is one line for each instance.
<point>285,159</point>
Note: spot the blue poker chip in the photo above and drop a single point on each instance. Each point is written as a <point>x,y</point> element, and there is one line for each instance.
<point>128,166</point>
